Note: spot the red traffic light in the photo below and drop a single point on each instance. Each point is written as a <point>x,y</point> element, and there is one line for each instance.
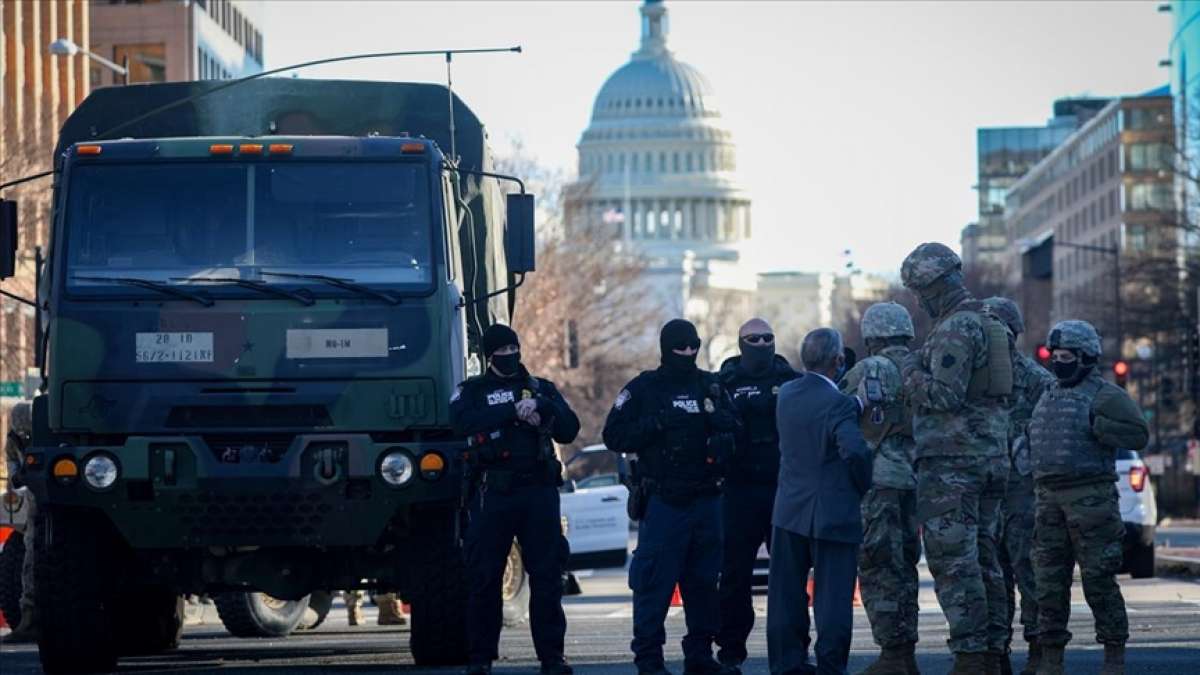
<point>1120,369</point>
<point>1043,354</point>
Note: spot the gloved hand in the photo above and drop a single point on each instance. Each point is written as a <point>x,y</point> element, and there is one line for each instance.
<point>722,419</point>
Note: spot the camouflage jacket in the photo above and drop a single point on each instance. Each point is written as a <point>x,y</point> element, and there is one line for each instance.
<point>947,422</point>
<point>894,452</point>
<point>1030,380</point>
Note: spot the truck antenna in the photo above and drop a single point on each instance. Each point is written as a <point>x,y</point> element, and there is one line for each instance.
<point>450,97</point>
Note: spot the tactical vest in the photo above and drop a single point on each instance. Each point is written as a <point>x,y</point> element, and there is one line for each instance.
<point>758,463</point>
<point>681,464</point>
<point>520,447</point>
<point>993,379</point>
<point>1062,446</point>
<point>882,390</point>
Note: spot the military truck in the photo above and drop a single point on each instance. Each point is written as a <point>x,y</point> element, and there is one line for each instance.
<point>255,306</point>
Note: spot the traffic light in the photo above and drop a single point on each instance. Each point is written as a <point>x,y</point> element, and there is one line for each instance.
<point>1042,354</point>
<point>1121,372</point>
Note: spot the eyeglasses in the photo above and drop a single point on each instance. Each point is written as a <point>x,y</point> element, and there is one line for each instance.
<point>686,346</point>
<point>759,338</point>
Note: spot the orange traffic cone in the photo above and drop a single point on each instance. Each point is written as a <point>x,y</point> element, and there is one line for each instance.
<point>857,595</point>
<point>810,590</point>
<point>676,598</point>
<point>812,586</point>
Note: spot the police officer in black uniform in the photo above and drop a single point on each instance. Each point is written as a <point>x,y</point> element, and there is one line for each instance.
<point>752,380</point>
<point>680,423</point>
<point>509,418</point>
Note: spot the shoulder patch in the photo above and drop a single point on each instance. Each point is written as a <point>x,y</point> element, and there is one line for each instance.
<point>948,361</point>
<point>622,399</point>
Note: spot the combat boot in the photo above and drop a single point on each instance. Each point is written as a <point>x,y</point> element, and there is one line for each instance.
<point>892,661</point>
<point>1114,660</point>
<point>1052,660</point>
<point>970,663</point>
<point>1035,657</point>
<point>558,666</point>
<point>390,612</point>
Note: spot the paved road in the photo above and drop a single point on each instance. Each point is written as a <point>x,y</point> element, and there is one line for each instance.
<point>1163,621</point>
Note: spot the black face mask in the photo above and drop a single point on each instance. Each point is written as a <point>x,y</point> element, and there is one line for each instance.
<point>757,359</point>
<point>679,334</point>
<point>1071,374</point>
<point>678,363</point>
<point>507,364</point>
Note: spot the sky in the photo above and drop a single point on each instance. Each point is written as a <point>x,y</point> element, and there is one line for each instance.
<point>854,121</point>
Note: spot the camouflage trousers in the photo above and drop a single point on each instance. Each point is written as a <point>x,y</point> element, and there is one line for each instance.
<point>27,564</point>
<point>887,565</point>
<point>1079,525</point>
<point>1016,542</point>
<point>958,507</point>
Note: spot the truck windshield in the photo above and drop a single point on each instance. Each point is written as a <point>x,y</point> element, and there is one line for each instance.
<point>367,223</point>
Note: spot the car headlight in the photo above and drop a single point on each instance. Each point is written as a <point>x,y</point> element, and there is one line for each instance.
<point>396,468</point>
<point>100,472</point>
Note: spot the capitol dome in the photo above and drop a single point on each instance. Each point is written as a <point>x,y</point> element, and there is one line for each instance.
<point>656,162</point>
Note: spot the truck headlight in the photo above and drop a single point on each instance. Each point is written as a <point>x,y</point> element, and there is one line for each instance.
<point>101,471</point>
<point>396,469</point>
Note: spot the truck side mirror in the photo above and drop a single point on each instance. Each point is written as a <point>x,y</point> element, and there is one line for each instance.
<point>518,234</point>
<point>8,238</point>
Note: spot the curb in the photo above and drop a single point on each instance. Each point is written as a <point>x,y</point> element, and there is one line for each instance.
<point>1176,566</point>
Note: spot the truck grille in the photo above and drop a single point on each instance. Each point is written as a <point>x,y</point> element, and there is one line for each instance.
<point>279,514</point>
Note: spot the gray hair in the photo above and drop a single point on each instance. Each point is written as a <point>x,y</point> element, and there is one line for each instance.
<point>821,348</point>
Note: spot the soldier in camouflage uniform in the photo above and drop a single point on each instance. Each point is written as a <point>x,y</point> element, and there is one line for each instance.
<point>20,428</point>
<point>887,561</point>
<point>956,385</point>
<point>1016,512</point>
<point>1076,429</point>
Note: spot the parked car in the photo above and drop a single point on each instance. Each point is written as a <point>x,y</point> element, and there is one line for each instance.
<point>595,518</point>
<point>1139,513</point>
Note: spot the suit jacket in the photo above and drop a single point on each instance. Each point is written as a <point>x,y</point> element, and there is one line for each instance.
<point>825,465</point>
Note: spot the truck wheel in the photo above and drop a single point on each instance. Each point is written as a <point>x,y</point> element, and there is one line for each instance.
<point>12,556</point>
<point>438,596</point>
<point>258,615</point>
<point>149,620</point>
<point>76,574</point>
<point>1141,562</point>
<point>514,589</point>
<point>319,604</point>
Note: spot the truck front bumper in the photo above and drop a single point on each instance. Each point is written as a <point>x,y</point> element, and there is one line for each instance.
<point>304,490</point>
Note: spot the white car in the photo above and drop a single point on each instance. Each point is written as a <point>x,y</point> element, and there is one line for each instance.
<point>595,518</point>
<point>1139,513</point>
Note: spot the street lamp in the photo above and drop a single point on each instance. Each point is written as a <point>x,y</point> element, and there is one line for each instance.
<point>65,47</point>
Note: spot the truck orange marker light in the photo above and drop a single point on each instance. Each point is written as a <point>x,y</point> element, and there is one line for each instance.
<point>88,150</point>
<point>221,149</point>
<point>412,148</point>
<point>251,149</point>
<point>280,148</point>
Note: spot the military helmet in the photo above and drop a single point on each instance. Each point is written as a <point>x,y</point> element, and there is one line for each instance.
<point>1008,312</point>
<point>928,263</point>
<point>1074,334</point>
<point>885,320</point>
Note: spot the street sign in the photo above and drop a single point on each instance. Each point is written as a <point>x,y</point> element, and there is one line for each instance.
<point>10,388</point>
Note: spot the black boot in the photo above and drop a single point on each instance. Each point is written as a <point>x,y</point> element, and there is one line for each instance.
<point>558,666</point>
<point>1035,657</point>
<point>479,669</point>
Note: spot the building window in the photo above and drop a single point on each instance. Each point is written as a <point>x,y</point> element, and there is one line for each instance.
<point>147,61</point>
<point>1135,237</point>
<point>1150,197</point>
<point>689,163</point>
<point>662,162</point>
<point>633,163</point>
<point>675,162</point>
<point>1149,156</point>
<point>701,157</point>
<point>1145,118</point>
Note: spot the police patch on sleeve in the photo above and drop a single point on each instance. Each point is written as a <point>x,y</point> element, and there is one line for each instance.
<point>622,399</point>
<point>457,393</point>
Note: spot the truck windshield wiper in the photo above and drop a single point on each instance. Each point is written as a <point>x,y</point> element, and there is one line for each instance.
<point>302,297</point>
<point>161,287</point>
<point>347,284</point>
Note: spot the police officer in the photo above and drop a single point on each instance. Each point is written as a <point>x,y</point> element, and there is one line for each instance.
<point>1076,429</point>
<point>887,561</point>
<point>958,385</point>
<point>752,380</point>
<point>1030,380</point>
<point>680,424</point>
<point>509,418</point>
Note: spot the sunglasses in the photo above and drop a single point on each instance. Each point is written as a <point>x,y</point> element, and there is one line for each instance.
<point>687,345</point>
<point>759,338</point>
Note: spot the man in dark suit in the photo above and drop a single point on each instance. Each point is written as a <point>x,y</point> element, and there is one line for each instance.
<point>825,469</point>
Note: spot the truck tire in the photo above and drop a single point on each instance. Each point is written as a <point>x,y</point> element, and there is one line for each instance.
<point>258,615</point>
<point>12,556</point>
<point>1141,562</point>
<point>319,604</point>
<point>438,595</point>
<point>514,589</point>
<point>77,572</point>
<point>149,620</point>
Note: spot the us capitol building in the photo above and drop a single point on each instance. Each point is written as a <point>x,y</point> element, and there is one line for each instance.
<point>657,172</point>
